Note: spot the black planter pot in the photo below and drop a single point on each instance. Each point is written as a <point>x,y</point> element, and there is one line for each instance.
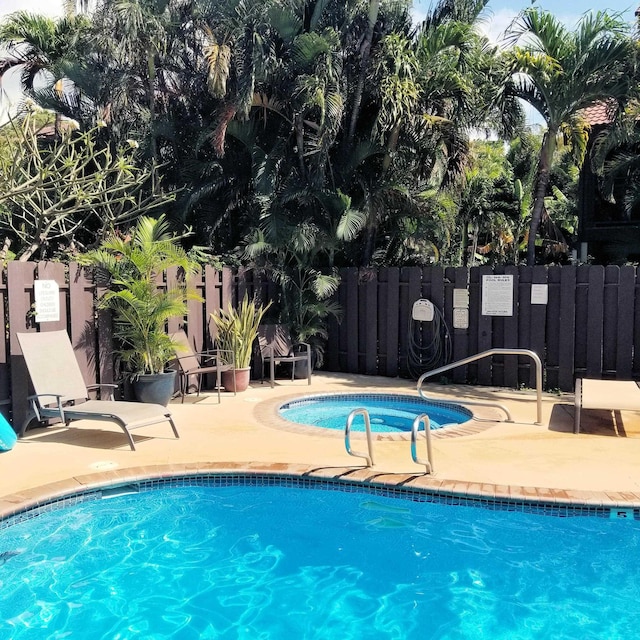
<point>155,388</point>
<point>300,369</point>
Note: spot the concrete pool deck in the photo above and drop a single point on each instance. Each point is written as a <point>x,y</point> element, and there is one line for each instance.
<point>520,460</point>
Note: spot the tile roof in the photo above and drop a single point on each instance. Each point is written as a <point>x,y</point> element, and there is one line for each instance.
<point>600,113</point>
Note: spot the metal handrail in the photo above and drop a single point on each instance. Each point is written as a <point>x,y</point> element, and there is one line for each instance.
<point>484,354</point>
<point>428,463</point>
<point>367,427</point>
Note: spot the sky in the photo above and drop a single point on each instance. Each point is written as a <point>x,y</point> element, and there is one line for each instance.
<point>499,12</point>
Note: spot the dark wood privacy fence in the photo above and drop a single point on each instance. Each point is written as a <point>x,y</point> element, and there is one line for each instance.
<point>590,324</point>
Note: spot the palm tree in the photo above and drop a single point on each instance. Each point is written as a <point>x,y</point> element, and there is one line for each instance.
<point>559,72</point>
<point>43,48</point>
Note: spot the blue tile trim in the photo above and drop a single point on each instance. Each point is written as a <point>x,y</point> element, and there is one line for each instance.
<point>226,479</point>
<point>384,397</point>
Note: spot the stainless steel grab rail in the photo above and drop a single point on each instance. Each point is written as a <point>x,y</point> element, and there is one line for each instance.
<point>347,436</point>
<point>484,354</point>
<point>428,463</point>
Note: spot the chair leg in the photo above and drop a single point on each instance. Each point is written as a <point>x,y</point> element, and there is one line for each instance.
<point>218,382</point>
<point>308,367</point>
<point>181,383</point>
<point>578,406</point>
<point>272,372</point>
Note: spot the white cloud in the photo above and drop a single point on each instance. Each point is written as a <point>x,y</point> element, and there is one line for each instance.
<point>51,8</point>
<point>495,25</point>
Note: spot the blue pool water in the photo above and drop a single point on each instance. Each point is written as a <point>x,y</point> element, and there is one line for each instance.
<point>388,413</point>
<point>279,563</point>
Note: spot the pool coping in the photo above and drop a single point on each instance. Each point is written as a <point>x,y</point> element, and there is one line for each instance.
<point>14,504</point>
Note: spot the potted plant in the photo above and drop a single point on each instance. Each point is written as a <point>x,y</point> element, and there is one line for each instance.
<point>141,307</point>
<point>237,329</point>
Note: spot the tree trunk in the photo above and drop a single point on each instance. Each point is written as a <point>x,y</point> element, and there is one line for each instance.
<point>542,182</point>
<point>365,52</point>
<point>151,67</point>
<point>220,132</point>
<point>392,145</point>
<point>299,131</point>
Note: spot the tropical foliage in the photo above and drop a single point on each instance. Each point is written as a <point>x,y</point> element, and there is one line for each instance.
<point>302,136</point>
<point>141,305</point>
<point>65,193</point>
<point>561,72</point>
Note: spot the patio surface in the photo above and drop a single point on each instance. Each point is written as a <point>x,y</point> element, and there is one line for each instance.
<point>521,460</point>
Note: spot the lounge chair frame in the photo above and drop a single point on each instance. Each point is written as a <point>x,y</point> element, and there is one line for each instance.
<point>61,393</point>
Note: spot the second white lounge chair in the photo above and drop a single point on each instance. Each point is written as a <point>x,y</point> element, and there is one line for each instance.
<point>611,395</point>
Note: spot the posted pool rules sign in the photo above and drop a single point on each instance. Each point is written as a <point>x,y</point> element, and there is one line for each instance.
<point>47,295</point>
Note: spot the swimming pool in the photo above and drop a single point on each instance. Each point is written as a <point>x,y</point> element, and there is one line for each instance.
<point>388,413</point>
<point>332,561</point>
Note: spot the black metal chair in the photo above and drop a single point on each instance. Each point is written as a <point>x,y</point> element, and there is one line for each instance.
<point>197,364</point>
<point>276,346</point>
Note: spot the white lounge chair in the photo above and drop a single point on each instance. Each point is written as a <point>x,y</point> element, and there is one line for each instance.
<point>611,395</point>
<point>61,392</point>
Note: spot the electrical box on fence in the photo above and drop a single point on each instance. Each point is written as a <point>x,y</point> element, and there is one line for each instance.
<point>422,310</point>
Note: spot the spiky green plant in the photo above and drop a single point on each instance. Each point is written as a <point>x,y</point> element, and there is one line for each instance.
<point>238,328</point>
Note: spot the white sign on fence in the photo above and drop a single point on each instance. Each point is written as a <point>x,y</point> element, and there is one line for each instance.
<point>539,294</point>
<point>497,295</point>
<point>47,295</point>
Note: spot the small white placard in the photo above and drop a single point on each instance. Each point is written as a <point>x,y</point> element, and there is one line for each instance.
<point>539,293</point>
<point>461,318</point>
<point>460,298</point>
<point>47,296</point>
<point>497,295</point>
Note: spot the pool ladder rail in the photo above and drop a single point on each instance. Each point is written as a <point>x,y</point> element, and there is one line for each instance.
<point>485,354</point>
<point>415,427</point>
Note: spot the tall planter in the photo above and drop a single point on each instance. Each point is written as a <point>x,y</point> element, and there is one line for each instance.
<point>155,388</point>
<point>237,330</point>
<point>236,380</point>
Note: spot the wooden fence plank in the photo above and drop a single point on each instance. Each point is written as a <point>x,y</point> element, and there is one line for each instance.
<point>461,338</point>
<point>20,277</point>
<point>595,321</point>
<point>511,363</point>
<point>485,337</point>
<point>437,295</point>
<point>636,326</point>
<point>566,332</point>
<point>550,356</point>
<point>538,313</point>
<point>5,372</point>
<point>610,318</point>
<point>82,329</point>
<point>351,325</point>
<point>623,365</point>
<point>581,319</point>
<point>369,314</point>
<point>391,321</point>
<point>212,300</point>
